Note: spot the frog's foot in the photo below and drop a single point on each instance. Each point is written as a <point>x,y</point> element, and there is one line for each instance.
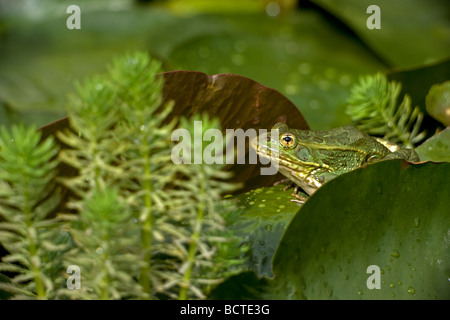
<point>292,185</point>
<point>289,185</point>
<point>283,181</point>
<point>299,199</point>
<point>406,154</point>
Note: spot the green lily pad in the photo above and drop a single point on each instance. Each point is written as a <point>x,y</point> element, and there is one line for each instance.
<point>412,33</point>
<point>397,218</point>
<point>438,102</point>
<point>261,219</point>
<point>437,148</point>
<point>392,215</point>
<point>243,286</point>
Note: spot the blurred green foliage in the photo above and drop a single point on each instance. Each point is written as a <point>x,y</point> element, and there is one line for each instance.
<point>311,51</point>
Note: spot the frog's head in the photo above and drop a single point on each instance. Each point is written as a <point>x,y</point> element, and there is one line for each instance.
<point>295,160</point>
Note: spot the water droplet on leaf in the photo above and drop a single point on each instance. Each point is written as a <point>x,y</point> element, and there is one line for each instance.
<point>395,253</point>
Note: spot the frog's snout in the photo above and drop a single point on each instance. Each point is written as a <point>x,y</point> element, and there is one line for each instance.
<point>254,143</point>
<point>257,142</point>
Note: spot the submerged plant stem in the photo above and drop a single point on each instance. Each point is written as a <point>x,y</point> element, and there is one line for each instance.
<point>146,231</point>
<point>97,169</point>
<point>184,286</point>
<point>40,290</point>
<point>104,295</point>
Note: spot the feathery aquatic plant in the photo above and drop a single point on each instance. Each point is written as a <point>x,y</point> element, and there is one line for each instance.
<point>373,106</point>
<point>28,196</point>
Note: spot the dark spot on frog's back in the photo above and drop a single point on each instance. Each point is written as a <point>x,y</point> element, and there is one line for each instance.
<point>317,140</point>
<point>342,134</point>
<point>321,133</point>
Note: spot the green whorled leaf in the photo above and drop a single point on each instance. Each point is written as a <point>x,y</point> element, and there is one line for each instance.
<point>238,102</point>
<point>436,148</point>
<point>5,295</point>
<point>413,32</point>
<point>260,221</point>
<point>375,107</point>
<point>390,214</point>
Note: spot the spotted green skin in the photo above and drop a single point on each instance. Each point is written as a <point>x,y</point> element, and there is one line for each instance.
<point>319,156</point>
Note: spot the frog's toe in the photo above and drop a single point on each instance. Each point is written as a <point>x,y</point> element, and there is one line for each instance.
<point>406,154</point>
<point>298,199</point>
<point>284,181</point>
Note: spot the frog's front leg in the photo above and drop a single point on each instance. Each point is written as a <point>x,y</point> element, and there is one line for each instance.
<point>287,181</point>
<point>299,199</point>
<point>403,153</point>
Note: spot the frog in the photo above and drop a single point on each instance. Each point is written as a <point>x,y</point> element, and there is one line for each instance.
<point>310,158</point>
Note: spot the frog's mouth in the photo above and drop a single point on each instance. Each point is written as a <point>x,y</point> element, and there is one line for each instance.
<point>274,154</point>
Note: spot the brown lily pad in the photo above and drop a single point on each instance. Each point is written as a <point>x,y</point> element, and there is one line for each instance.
<point>237,101</point>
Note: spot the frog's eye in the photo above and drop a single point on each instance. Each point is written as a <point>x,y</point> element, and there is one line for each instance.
<point>287,140</point>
